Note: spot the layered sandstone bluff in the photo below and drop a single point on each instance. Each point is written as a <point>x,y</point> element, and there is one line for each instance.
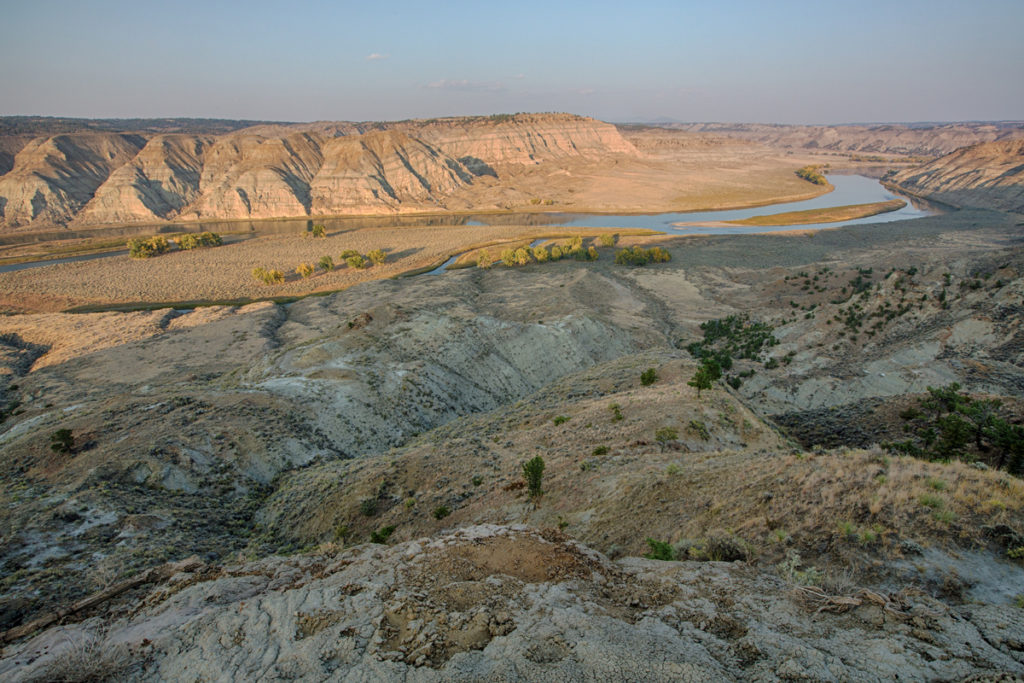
<point>272,171</point>
<point>989,175</point>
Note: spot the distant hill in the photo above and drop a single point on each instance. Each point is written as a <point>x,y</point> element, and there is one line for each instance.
<point>914,139</point>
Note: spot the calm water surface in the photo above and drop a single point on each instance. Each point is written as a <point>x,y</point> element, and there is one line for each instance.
<point>849,189</point>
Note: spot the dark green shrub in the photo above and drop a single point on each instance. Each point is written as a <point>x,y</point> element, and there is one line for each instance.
<point>533,473</point>
<point>382,535</point>
<point>326,263</point>
<point>441,511</point>
<point>648,377</point>
<point>368,506</point>
<point>660,550</point>
<point>356,262</point>
<point>560,419</point>
<point>601,450</point>
<point>62,441</point>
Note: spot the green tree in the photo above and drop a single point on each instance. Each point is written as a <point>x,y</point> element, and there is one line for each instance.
<point>533,472</point>
<point>378,256</point>
<point>508,257</point>
<point>522,256</point>
<point>305,270</point>
<point>355,262</point>
<point>484,259</point>
<point>541,254</point>
<point>319,231</point>
<point>326,263</point>
<point>648,377</point>
<point>701,379</point>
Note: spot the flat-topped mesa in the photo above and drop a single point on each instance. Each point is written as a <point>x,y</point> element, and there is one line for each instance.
<point>989,175</point>
<point>284,170</point>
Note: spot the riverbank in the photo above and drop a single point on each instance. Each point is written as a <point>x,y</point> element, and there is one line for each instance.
<point>836,214</point>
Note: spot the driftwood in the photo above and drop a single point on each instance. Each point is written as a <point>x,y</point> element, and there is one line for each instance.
<point>816,597</point>
<point>152,575</point>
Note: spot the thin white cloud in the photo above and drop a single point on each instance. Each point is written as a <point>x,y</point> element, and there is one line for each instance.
<point>376,57</point>
<point>519,77</point>
<point>466,86</point>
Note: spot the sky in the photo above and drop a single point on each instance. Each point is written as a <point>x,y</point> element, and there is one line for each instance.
<point>769,61</point>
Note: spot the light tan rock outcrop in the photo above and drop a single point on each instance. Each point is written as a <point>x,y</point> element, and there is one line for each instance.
<point>276,171</point>
<point>54,177</point>
<point>989,175</point>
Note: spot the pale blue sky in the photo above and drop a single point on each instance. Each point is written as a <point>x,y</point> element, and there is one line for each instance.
<point>788,62</point>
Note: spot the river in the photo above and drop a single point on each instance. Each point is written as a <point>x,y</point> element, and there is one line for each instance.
<point>849,189</point>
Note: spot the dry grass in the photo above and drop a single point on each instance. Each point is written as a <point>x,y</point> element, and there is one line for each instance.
<point>84,659</point>
<point>742,483</point>
<point>829,215</point>
<point>224,274</point>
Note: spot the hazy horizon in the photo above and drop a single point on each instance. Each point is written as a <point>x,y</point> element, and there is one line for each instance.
<point>785,62</point>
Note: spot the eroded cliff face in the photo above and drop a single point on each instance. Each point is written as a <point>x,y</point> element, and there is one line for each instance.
<point>53,178</point>
<point>989,175</point>
<point>270,171</point>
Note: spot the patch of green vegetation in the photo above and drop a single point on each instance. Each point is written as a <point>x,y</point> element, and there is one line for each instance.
<point>733,337</point>
<point>660,550</point>
<point>441,511</point>
<point>147,248</point>
<point>62,441</point>
<point>560,419</point>
<point>648,377</point>
<point>616,412</point>
<point>318,231</point>
<point>268,276</point>
<point>368,507</point>
<point>533,473</point>
<point>949,425</point>
<point>812,175</point>
<point>638,256</point>
<point>600,450</point>
<point>382,535</point>
<point>700,429</point>
<point>201,240</point>
<point>665,435</point>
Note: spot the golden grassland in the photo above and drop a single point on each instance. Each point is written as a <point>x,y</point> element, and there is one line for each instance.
<point>223,275</point>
